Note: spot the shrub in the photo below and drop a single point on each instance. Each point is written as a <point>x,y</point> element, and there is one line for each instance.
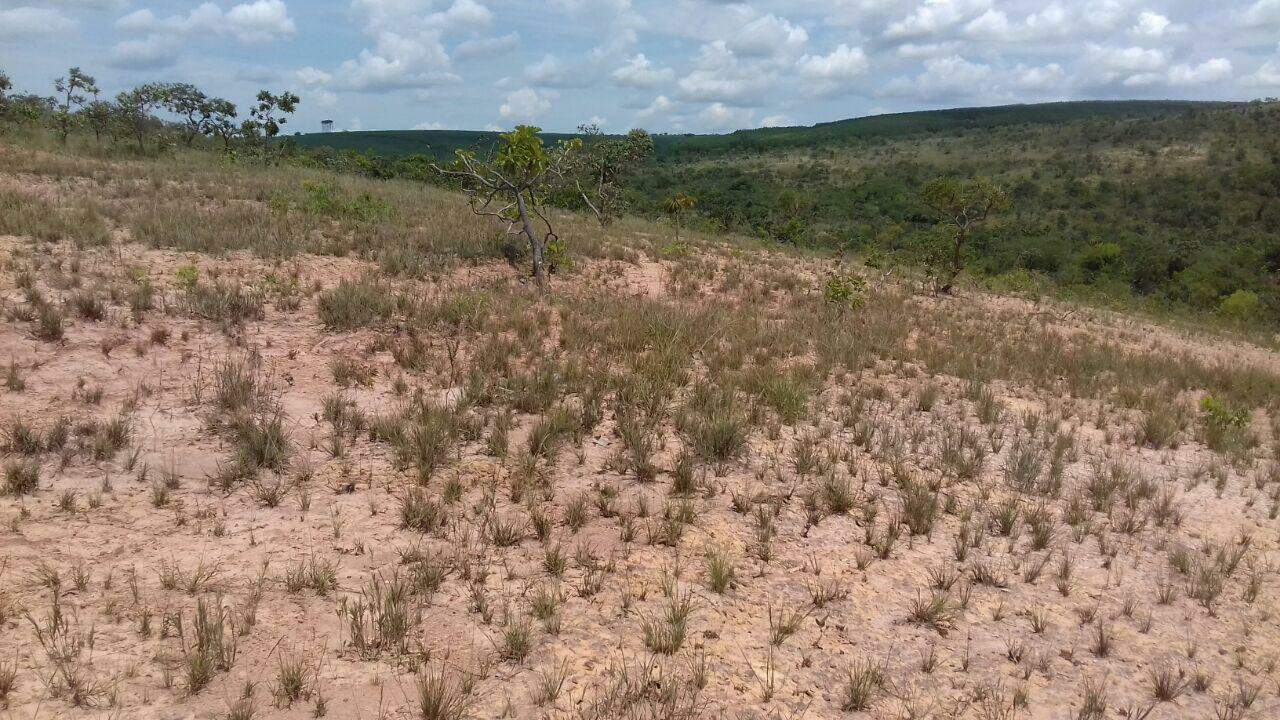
<point>354,304</point>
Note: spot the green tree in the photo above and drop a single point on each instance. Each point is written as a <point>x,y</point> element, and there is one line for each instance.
<point>5,86</point>
<point>676,206</point>
<point>71,94</point>
<point>269,114</point>
<point>97,115</point>
<point>132,116</point>
<point>220,120</point>
<point>512,184</point>
<point>189,103</point>
<point>961,208</point>
<point>604,164</point>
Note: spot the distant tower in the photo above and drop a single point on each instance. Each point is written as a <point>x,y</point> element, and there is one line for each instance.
<point>326,126</point>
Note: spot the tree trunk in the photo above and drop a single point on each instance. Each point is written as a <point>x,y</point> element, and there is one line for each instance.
<point>944,286</point>
<point>536,244</point>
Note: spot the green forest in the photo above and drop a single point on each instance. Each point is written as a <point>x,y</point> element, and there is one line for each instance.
<point>1172,204</point>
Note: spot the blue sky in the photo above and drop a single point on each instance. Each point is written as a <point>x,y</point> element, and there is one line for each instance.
<point>665,65</point>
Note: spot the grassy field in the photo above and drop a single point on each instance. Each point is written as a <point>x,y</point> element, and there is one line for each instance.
<point>280,442</point>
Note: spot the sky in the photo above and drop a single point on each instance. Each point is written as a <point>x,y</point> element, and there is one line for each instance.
<point>664,65</point>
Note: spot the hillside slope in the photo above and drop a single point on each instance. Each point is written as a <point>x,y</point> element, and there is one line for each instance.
<point>442,143</point>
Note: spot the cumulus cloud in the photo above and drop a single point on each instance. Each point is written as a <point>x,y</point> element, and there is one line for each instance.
<point>767,36</point>
<point>526,104</point>
<point>1151,25</point>
<point>550,71</point>
<point>949,78</point>
<point>719,116</point>
<point>843,63</point>
<point>486,47</point>
<point>407,50</point>
<point>1262,13</point>
<point>1046,77</point>
<point>834,71</point>
<point>151,53</point>
<point>248,22</point>
<point>640,72</point>
<point>30,22</point>
<point>936,16</point>
<point>661,105</point>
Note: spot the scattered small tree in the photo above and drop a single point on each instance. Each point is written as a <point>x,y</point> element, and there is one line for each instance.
<point>602,165</point>
<point>676,206</point>
<point>189,103</point>
<point>132,116</point>
<point>268,116</point>
<point>71,94</point>
<point>97,115</point>
<point>512,184</point>
<point>220,120</point>
<point>961,207</point>
<point>5,86</point>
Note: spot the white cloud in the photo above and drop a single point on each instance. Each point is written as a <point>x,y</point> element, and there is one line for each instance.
<point>150,53</point>
<point>934,17</point>
<point>835,71</point>
<point>660,106</point>
<point>1183,75</point>
<point>1112,63</point>
<point>550,71</point>
<point>29,21</point>
<point>719,116</point>
<point>1263,13</point>
<point>843,63</point>
<point>1151,25</point>
<point>719,76</point>
<point>486,47</point>
<point>310,76</point>
<point>915,51</point>
<point>767,36</point>
<point>775,121</point>
<point>992,24</point>
<point>526,104</point>
<point>948,78</point>
<point>640,72</point>
<point>1267,76</point>
<point>397,62</point>
<point>260,21</point>
<point>1038,79</point>
<point>430,126</point>
<point>249,22</point>
<point>1209,71</point>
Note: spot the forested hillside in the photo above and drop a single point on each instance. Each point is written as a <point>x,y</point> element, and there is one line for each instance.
<point>1175,204</point>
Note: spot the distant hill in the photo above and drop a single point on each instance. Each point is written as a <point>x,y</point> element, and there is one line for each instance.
<point>443,143</point>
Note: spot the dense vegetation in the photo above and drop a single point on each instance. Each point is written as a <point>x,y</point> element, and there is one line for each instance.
<point>1175,204</point>
<point>1172,204</point>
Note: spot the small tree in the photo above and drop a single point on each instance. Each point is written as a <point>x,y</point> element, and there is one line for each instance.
<point>97,114</point>
<point>678,205</point>
<point>961,207</point>
<point>220,120</point>
<point>189,103</point>
<point>514,180</point>
<point>5,86</point>
<point>269,114</point>
<point>132,112</point>
<point>603,163</point>
<point>71,94</point>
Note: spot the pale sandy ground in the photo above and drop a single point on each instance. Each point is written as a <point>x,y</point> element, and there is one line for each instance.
<point>125,536</point>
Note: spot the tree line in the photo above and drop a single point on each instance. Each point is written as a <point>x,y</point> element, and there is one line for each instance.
<point>133,116</point>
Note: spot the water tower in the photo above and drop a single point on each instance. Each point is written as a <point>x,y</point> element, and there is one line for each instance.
<point>326,126</point>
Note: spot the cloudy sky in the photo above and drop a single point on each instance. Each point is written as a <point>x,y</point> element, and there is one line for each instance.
<point>666,65</point>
